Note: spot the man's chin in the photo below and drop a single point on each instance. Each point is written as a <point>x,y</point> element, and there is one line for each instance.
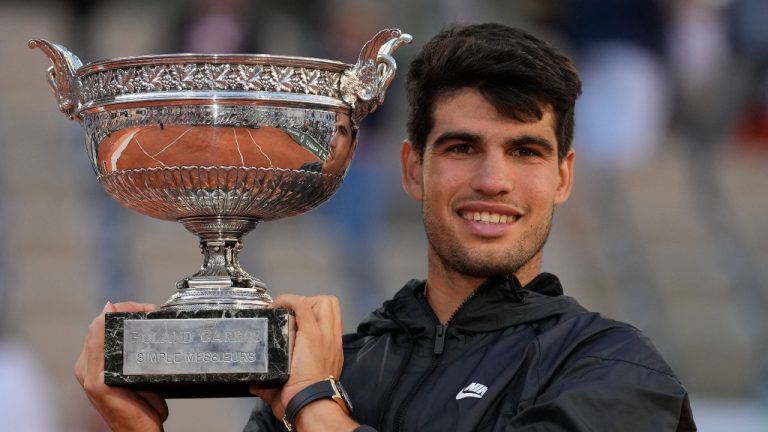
<point>484,268</point>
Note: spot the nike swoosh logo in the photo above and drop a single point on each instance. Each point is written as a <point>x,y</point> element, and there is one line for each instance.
<point>462,394</point>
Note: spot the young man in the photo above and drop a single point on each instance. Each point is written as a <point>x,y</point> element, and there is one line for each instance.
<point>487,342</point>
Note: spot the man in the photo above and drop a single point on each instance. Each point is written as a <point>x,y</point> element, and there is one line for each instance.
<point>487,342</point>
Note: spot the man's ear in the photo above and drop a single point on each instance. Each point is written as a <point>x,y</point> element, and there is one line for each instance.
<point>410,163</point>
<point>566,178</point>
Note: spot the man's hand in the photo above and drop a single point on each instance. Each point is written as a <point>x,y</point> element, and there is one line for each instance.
<point>123,409</point>
<point>317,352</point>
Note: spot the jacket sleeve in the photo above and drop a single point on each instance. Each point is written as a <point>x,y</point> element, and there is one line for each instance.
<point>598,394</point>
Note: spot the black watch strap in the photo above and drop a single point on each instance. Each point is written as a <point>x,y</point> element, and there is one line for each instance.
<point>326,389</point>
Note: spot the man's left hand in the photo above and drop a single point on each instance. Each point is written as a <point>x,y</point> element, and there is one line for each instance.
<point>317,352</point>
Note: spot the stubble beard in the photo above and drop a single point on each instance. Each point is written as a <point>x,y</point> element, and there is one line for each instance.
<point>467,261</point>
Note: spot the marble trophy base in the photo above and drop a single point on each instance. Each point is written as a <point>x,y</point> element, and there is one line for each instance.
<point>198,354</point>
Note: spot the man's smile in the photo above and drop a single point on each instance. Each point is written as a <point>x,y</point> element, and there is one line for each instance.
<point>489,213</point>
<point>488,217</point>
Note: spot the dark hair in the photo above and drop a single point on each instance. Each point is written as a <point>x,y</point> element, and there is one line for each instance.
<point>516,72</point>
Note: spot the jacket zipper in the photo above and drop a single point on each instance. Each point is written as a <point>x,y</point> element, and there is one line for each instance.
<point>439,348</point>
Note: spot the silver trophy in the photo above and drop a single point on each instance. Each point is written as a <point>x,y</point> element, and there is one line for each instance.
<point>218,143</point>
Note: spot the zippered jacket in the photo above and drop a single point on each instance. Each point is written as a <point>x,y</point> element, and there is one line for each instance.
<point>509,359</point>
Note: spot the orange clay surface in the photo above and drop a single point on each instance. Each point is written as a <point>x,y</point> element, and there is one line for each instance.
<point>185,145</point>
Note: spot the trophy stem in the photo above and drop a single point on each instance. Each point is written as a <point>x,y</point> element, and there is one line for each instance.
<point>220,283</point>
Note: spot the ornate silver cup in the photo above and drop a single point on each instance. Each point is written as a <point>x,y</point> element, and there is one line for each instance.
<point>218,143</point>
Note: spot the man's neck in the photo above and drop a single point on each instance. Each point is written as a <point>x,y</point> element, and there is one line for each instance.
<point>446,292</point>
<point>447,289</point>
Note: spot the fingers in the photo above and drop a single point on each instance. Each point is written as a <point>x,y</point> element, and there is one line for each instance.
<point>338,323</point>
<point>109,307</point>
<point>268,395</point>
<point>315,315</point>
<point>132,307</point>
<point>328,315</point>
<point>157,403</point>
<point>90,363</point>
<point>93,339</point>
<point>128,410</point>
<point>306,322</point>
<point>122,408</point>
<point>325,309</point>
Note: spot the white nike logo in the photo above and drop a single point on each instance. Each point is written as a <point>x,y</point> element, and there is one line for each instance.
<point>474,390</point>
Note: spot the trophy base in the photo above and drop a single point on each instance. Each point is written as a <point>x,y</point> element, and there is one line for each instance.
<point>198,354</point>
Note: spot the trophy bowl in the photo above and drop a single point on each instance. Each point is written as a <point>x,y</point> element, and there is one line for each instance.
<point>219,143</point>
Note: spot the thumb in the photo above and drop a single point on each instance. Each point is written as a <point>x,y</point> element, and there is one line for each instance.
<point>157,403</point>
<point>270,396</point>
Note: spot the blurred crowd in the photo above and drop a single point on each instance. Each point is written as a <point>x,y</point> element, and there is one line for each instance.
<point>660,76</point>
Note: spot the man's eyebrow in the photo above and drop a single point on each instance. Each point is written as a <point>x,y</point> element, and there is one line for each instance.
<point>535,140</point>
<point>467,137</point>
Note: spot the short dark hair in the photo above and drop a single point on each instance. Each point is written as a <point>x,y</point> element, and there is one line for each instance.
<point>516,72</point>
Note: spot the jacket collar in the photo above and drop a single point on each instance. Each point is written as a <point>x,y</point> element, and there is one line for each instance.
<point>498,303</point>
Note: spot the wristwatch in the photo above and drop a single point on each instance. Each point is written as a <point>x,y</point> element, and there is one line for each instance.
<point>328,388</point>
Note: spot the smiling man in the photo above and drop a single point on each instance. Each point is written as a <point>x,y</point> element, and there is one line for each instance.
<point>488,342</point>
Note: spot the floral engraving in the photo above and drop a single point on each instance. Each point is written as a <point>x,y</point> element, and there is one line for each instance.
<point>108,84</point>
<point>249,77</point>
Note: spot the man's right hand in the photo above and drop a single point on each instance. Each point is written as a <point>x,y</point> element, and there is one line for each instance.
<point>123,409</point>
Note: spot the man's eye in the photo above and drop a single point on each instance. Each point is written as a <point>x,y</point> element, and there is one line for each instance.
<point>460,148</point>
<point>524,152</point>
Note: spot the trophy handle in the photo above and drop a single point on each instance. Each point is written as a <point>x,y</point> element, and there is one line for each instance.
<point>364,85</point>
<point>62,78</point>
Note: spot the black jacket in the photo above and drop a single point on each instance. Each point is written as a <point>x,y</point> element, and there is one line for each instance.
<point>510,359</point>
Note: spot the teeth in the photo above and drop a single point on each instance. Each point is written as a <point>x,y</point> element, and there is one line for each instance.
<point>489,218</point>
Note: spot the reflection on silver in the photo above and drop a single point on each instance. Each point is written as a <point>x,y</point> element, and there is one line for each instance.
<point>221,142</point>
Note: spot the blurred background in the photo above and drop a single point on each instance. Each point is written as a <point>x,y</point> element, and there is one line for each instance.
<point>666,228</point>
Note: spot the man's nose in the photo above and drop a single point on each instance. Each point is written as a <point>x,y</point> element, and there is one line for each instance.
<point>492,175</point>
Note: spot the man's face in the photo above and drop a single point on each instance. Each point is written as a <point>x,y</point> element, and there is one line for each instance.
<point>488,186</point>
<point>341,147</point>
